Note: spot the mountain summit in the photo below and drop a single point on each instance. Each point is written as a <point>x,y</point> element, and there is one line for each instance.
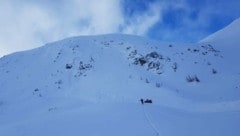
<point>92,85</point>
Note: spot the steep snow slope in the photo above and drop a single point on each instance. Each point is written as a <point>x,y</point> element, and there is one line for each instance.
<point>227,40</point>
<point>229,36</point>
<point>92,86</point>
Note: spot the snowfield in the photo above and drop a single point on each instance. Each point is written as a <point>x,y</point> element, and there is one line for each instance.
<point>92,86</point>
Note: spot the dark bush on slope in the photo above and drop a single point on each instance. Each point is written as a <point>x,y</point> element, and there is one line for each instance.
<point>192,79</point>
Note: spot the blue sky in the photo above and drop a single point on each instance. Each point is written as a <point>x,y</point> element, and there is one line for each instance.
<point>28,24</point>
<point>185,20</point>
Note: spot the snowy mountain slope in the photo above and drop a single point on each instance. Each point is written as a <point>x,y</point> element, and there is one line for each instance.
<point>92,86</point>
<point>228,41</point>
<point>228,36</point>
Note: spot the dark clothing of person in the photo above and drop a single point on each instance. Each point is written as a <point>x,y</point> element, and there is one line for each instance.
<point>142,101</point>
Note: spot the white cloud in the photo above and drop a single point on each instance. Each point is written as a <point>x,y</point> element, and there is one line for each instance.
<point>28,24</point>
<point>140,24</point>
<point>22,26</point>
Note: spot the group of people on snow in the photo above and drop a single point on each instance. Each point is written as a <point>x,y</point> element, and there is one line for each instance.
<point>145,101</point>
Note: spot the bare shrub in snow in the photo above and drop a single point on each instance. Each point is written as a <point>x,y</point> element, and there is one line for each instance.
<point>129,47</point>
<point>174,66</point>
<point>121,43</point>
<point>59,82</point>
<point>196,79</point>
<point>52,109</point>
<point>214,71</point>
<point>36,90</point>
<point>192,79</point>
<point>83,66</point>
<point>68,66</point>
<point>196,50</point>
<point>158,85</point>
<point>91,59</point>
<point>147,81</point>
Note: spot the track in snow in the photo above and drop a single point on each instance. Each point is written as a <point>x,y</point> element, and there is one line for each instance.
<point>150,122</point>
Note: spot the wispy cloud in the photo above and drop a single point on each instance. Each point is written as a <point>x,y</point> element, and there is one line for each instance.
<point>139,24</point>
<point>27,24</point>
<point>190,20</point>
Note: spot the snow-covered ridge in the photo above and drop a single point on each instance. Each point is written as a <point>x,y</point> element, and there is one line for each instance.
<point>228,36</point>
<point>78,84</point>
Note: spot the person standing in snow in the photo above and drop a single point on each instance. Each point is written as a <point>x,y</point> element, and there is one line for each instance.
<point>142,100</point>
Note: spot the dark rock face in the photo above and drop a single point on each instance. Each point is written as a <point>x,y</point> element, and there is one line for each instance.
<point>153,61</point>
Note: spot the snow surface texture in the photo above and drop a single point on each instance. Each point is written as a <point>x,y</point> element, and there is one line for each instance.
<point>92,86</point>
